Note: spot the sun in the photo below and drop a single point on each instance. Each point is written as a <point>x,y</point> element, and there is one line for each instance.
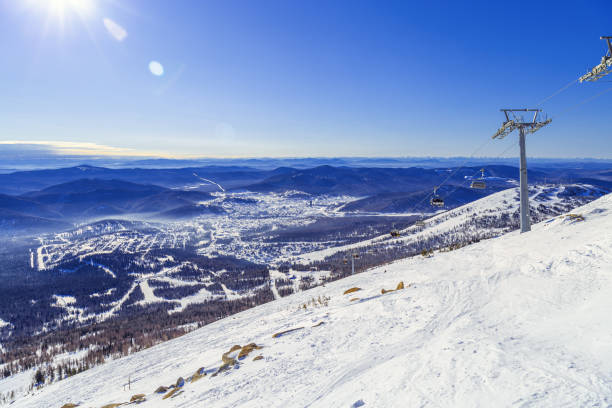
<point>61,8</point>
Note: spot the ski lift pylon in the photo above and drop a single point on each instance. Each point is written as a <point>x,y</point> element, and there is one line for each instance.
<point>603,68</point>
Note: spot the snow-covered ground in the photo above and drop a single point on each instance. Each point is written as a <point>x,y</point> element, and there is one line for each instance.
<point>520,320</point>
<point>468,219</point>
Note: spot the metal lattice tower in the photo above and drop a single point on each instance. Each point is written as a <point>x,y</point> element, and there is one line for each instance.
<point>515,121</point>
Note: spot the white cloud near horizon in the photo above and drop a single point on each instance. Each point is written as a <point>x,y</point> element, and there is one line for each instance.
<point>79,148</point>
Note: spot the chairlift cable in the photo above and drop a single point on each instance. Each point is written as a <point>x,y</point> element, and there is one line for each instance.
<point>462,165</point>
<point>557,92</point>
<point>506,150</point>
<point>586,100</point>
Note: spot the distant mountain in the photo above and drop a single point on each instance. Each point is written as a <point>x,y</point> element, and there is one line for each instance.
<point>169,199</point>
<point>12,221</point>
<point>94,197</point>
<point>86,193</point>
<point>86,199</point>
<point>372,181</point>
<point>347,180</point>
<point>200,177</point>
<point>323,179</point>
<point>26,205</point>
<point>190,211</point>
<point>415,201</point>
<point>93,185</point>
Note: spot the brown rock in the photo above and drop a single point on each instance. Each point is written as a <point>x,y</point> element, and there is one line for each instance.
<point>276,335</point>
<point>351,290</point>
<point>246,350</point>
<point>234,348</point>
<point>171,393</point>
<point>198,374</point>
<point>137,398</point>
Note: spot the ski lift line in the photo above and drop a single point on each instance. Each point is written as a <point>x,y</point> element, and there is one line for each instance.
<point>560,90</point>
<point>464,181</point>
<point>481,146</point>
<point>557,92</point>
<point>423,218</point>
<point>506,150</point>
<point>589,99</point>
<point>462,165</point>
<point>458,187</point>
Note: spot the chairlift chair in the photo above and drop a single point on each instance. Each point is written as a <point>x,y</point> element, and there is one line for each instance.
<point>480,183</point>
<point>394,232</point>
<point>436,200</point>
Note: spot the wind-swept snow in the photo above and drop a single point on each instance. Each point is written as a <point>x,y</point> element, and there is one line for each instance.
<point>517,320</point>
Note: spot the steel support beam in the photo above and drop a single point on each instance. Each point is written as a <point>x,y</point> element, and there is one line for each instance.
<point>524,128</point>
<point>525,220</point>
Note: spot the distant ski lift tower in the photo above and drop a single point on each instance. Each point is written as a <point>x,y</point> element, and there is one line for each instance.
<point>353,257</point>
<point>515,121</point>
<point>603,68</point>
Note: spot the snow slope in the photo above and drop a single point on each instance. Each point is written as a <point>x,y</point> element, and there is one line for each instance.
<point>520,320</point>
<point>469,219</point>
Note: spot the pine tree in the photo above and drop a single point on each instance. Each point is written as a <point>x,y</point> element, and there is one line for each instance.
<point>39,377</point>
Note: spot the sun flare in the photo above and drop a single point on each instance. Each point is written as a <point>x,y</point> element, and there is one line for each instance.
<point>61,8</point>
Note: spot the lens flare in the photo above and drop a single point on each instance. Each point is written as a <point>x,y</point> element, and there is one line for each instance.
<point>115,30</point>
<point>156,68</point>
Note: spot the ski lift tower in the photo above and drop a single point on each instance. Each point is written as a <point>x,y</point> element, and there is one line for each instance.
<point>353,257</point>
<point>514,120</point>
<point>603,68</point>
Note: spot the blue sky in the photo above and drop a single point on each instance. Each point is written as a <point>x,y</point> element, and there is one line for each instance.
<point>300,78</point>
